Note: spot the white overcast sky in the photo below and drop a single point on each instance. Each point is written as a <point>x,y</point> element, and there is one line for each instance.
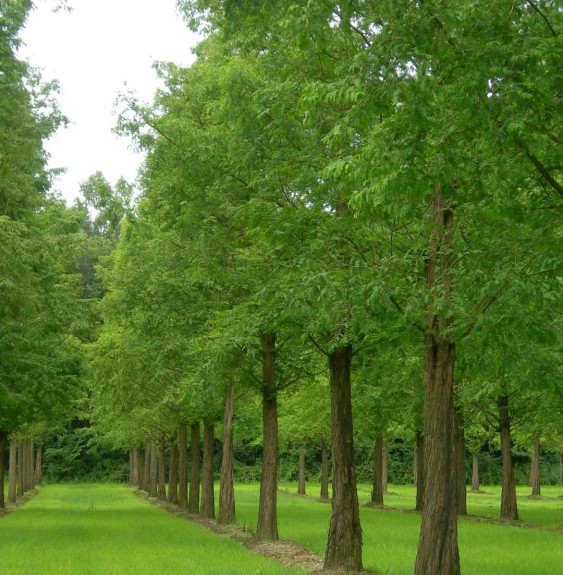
<point>94,51</point>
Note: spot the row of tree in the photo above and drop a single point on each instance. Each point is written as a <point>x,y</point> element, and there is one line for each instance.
<point>345,190</point>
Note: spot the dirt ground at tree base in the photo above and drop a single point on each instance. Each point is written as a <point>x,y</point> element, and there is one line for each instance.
<point>286,553</point>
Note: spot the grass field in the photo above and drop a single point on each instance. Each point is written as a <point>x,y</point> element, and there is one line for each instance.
<point>104,529</point>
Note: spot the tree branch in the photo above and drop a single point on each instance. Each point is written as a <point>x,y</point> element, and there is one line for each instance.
<point>544,17</point>
<point>547,176</point>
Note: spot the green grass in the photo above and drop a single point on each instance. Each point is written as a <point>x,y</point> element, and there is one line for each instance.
<point>104,529</point>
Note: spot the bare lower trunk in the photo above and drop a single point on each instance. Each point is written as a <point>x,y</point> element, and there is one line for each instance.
<point>141,455</point>
<point>133,478</point>
<point>301,481</point>
<point>324,471</point>
<point>377,478</point>
<point>13,471</point>
<point>475,473</point>
<point>21,469</point>
<point>162,469</point>
<point>183,465</point>
<point>267,527</point>
<point>193,501</point>
<point>29,467</point>
<point>38,462</point>
<point>226,490</point>
<point>419,471</point>
<point>438,552</point>
<point>153,472</point>
<point>460,463</point>
<point>146,468</point>
<point>207,509</point>
<point>535,469</point>
<point>508,507</point>
<point>173,473</point>
<point>3,443</point>
<point>344,545</point>
<point>385,472</point>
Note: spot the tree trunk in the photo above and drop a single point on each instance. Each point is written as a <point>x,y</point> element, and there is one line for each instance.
<point>134,467</point>
<point>535,469</point>
<point>141,455</point>
<point>153,472</point>
<point>146,469</point>
<point>173,473</point>
<point>385,471</point>
<point>183,465</point>
<point>419,471</point>
<point>324,471</point>
<point>301,481</point>
<point>207,509</point>
<point>460,462</point>
<point>38,464</point>
<point>13,471</point>
<point>475,474</point>
<point>29,466</point>
<point>3,443</point>
<point>508,508</point>
<point>226,490</point>
<point>344,546</point>
<point>193,501</point>
<point>377,478</point>
<point>267,527</point>
<point>162,469</point>
<point>21,468</point>
<point>438,552</point>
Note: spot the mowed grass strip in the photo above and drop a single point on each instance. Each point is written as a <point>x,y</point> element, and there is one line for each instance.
<point>390,538</point>
<point>105,529</point>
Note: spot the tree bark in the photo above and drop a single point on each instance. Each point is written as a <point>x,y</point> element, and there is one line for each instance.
<point>419,471</point>
<point>162,469</point>
<point>21,468</point>
<point>183,465</point>
<point>207,509</point>
<point>438,552</point>
<point>29,466</point>
<point>324,471</point>
<point>227,513</point>
<point>475,474</point>
<point>133,467</point>
<point>146,469</point>
<point>385,472</point>
<point>301,481</point>
<point>460,462</point>
<point>535,469</point>
<point>3,443</point>
<point>267,528</point>
<point>141,468</point>
<point>344,546</point>
<point>153,471</point>
<point>38,464</point>
<point>508,507</point>
<point>173,473</point>
<point>377,478</point>
<point>193,501</point>
<point>13,471</point>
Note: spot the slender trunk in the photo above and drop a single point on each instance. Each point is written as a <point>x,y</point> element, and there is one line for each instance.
<point>508,508</point>
<point>3,443</point>
<point>207,484</point>
<point>535,469</point>
<point>438,551</point>
<point>147,468</point>
<point>475,473</point>
<point>344,545</point>
<point>21,468</point>
<point>419,471</point>
<point>301,481</point>
<point>193,501</point>
<point>134,467</point>
<point>131,464</point>
<point>38,464</point>
<point>162,469</point>
<point>153,472</point>
<point>13,471</point>
<point>385,471</point>
<point>267,527</point>
<point>460,463</point>
<point>183,465</point>
<point>324,471</point>
<point>141,468</point>
<point>173,473</point>
<point>377,478</point>
<point>226,488</point>
<point>29,467</point>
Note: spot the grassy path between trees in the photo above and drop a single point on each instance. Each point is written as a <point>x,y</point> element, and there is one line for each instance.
<point>105,530</point>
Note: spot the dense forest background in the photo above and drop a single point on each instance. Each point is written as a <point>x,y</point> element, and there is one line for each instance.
<point>346,240</point>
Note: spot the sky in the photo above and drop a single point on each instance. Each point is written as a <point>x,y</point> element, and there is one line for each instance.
<point>98,50</point>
